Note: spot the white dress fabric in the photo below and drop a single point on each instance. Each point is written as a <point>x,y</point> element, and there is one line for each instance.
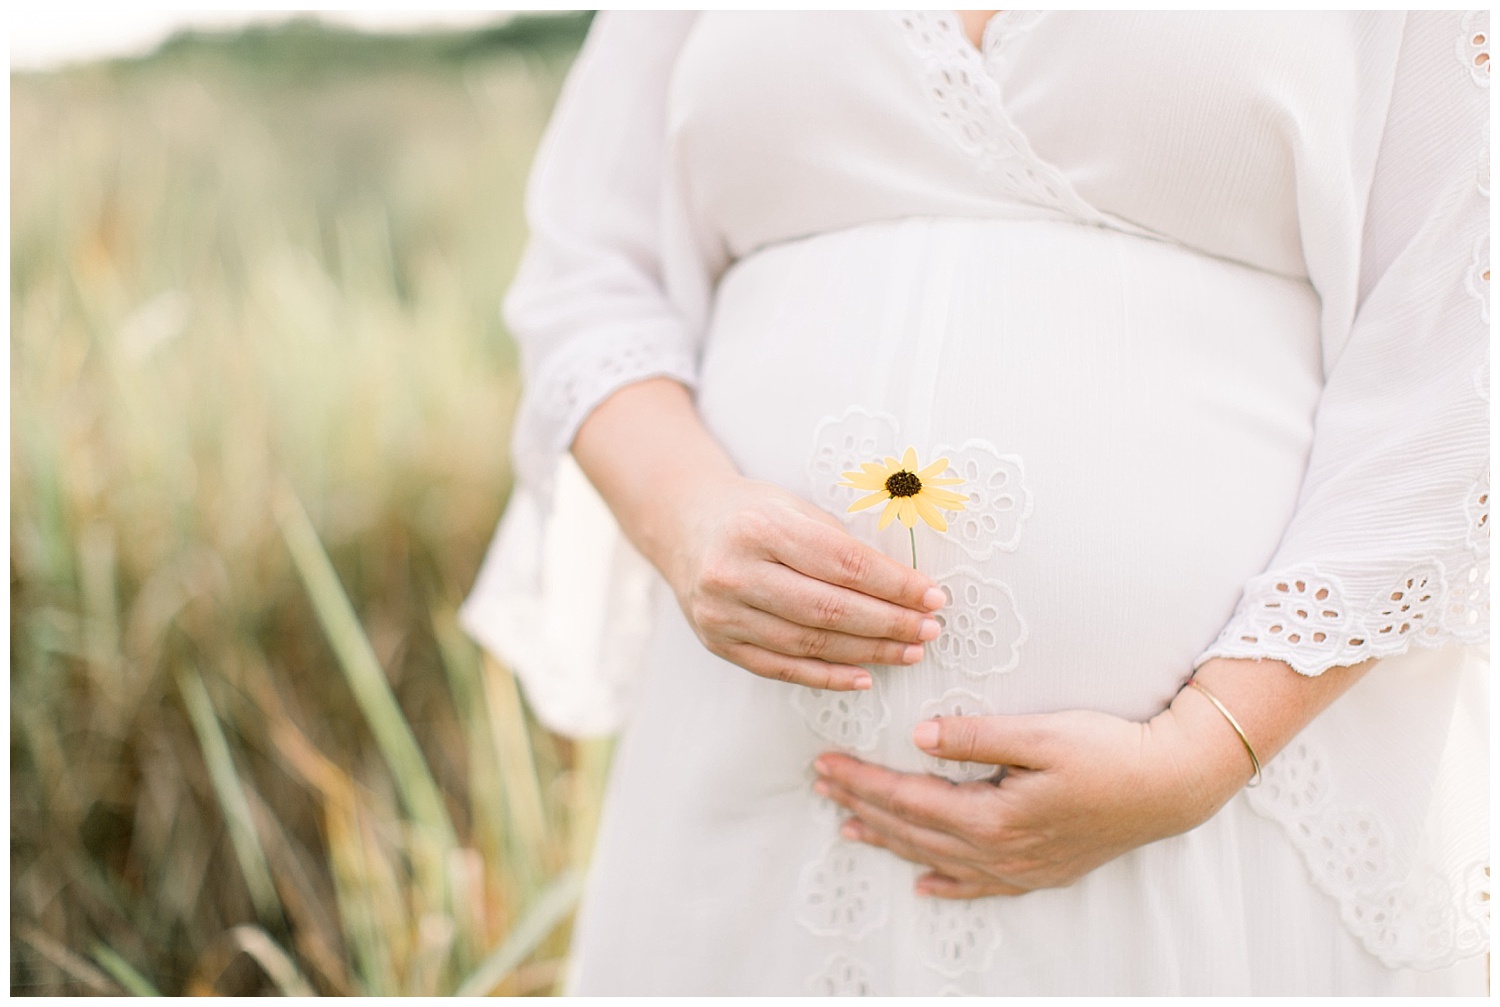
<point>1197,304</point>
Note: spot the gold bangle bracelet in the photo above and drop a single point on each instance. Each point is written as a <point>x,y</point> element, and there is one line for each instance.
<point>1254,759</point>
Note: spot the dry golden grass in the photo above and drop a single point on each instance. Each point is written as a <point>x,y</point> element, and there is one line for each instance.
<point>260,403</point>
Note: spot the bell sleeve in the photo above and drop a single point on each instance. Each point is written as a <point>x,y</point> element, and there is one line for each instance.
<point>612,288</point>
<point>1385,794</point>
<point>1389,545</point>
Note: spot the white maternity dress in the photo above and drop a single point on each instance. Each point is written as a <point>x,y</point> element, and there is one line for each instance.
<point>1196,304</point>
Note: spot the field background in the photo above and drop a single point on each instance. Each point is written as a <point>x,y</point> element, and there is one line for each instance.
<point>260,404</point>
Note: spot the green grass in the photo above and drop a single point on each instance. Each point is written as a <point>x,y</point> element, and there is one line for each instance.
<point>260,407</point>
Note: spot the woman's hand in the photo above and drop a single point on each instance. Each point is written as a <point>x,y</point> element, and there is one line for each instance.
<point>1078,789</point>
<point>766,579</point>
<point>775,585</point>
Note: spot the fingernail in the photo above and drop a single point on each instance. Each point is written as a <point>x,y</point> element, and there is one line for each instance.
<point>912,654</point>
<point>934,599</point>
<point>925,734</point>
<point>820,788</point>
<point>849,830</point>
<point>821,765</point>
<point>930,630</point>
<point>923,888</point>
<point>863,680</point>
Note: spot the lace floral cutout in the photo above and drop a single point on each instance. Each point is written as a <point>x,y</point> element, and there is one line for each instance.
<point>840,444</point>
<point>955,936</point>
<point>1412,607</point>
<point>847,719</point>
<point>1477,280</point>
<point>842,976</point>
<point>1302,610</point>
<point>1473,46</point>
<point>982,632</point>
<point>999,502</point>
<point>1416,921</point>
<point>957,703</point>
<point>837,895</point>
<point>967,101</point>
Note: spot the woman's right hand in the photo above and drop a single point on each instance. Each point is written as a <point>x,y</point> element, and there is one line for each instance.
<point>767,580</point>
<point>778,587</point>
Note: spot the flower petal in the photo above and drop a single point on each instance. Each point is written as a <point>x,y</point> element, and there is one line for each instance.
<point>863,480</point>
<point>941,482</point>
<point>891,465</point>
<point>888,514</point>
<point>946,499</point>
<point>933,471</point>
<point>907,511</point>
<point>869,501</point>
<point>909,460</point>
<point>930,514</point>
<point>875,468</point>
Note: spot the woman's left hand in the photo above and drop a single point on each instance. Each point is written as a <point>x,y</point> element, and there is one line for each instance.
<point>1079,788</point>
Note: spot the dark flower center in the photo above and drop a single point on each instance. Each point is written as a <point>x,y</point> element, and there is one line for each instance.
<point>903,484</point>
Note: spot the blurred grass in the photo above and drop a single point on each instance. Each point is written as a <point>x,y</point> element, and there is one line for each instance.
<point>260,402</point>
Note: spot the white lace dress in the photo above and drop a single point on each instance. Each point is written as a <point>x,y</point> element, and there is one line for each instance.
<point>1197,305</point>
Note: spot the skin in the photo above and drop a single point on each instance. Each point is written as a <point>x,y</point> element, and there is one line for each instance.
<point>775,585</point>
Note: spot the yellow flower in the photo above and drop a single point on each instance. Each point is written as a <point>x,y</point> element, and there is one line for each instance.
<point>909,492</point>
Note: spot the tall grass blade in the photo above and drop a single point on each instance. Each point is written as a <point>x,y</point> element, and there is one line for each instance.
<point>419,792</point>
<point>279,966</point>
<point>231,795</point>
<point>549,910</point>
<point>523,789</point>
<point>123,972</point>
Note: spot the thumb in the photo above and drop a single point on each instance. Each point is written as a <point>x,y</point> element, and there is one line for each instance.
<point>1023,740</point>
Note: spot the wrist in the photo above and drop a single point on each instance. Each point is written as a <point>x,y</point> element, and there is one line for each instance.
<point>1206,754</point>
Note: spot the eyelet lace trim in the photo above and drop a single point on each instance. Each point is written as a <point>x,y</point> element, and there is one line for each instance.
<point>1301,616</point>
<point>576,380</point>
<point>999,502</point>
<point>1424,921</point>
<point>837,895</point>
<point>850,720</point>
<point>955,936</point>
<point>842,976</point>
<point>968,103</point>
<point>840,444</point>
<point>1473,46</point>
<point>982,630</point>
<point>957,703</point>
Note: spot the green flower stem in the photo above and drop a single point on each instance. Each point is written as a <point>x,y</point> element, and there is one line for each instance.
<point>912,531</point>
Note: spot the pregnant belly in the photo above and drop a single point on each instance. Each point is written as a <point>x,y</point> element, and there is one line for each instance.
<point>1133,420</point>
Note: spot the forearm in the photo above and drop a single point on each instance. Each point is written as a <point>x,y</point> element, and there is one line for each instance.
<point>1270,701</point>
<point>647,452</point>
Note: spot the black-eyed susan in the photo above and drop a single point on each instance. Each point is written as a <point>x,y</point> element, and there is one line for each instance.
<point>908,491</point>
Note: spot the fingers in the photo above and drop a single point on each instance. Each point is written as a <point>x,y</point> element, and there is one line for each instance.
<point>1024,741</point>
<point>803,600</point>
<point>834,557</point>
<point>942,886</point>
<point>859,832</point>
<point>776,634</point>
<point>931,844</point>
<point>964,809</point>
<point>806,671</point>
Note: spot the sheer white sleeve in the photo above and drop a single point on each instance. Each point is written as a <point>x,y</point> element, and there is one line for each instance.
<point>1389,546</point>
<point>612,289</point>
<point>1387,555</point>
<point>588,306</point>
